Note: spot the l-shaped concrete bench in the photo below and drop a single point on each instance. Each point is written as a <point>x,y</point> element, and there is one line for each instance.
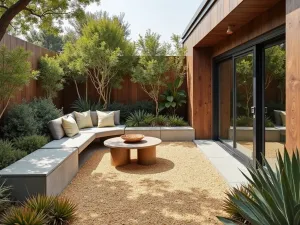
<point>50,169</point>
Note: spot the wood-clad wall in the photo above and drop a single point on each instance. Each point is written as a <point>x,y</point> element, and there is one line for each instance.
<point>205,43</point>
<point>292,74</point>
<point>32,89</point>
<point>269,20</point>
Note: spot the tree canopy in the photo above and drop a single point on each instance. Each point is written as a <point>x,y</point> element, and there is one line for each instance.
<point>21,15</point>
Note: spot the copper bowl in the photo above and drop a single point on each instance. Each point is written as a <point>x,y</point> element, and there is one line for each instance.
<point>132,138</point>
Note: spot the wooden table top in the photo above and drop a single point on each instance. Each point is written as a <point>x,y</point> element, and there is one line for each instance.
<point>118,142</point>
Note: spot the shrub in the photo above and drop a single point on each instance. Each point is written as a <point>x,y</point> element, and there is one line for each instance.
<point>176,121</point>
<point>19,122</point>
<point>8,154</point>
<point>44,111</point>
<point>63,211</point>
<point>30,143</point>
<point>137,119</point>
<point>23,216</point>
<point>4,197</point>
<point>160,120</point>
<point>274,196</point>
<point>41,204</point>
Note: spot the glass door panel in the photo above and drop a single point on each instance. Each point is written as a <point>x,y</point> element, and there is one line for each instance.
<point>226,131</point>
<point>274,101</point>
<point>244,70</point>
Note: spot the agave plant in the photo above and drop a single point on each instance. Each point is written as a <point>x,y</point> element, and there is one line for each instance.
<point>63,211</point>
<point>139,118</point>
<point>81,105</point>
<point>23,216</point>
<point>274,196</point>
<point>41,204</point>
<point>176,121</point>
<point>160,120</point>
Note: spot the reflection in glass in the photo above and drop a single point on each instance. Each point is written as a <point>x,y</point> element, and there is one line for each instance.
<point>274,101</point>
<point>244,101</point>
<point>226,101</point>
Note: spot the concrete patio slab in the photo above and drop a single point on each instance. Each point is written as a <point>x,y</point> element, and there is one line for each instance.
<point>229,167</point>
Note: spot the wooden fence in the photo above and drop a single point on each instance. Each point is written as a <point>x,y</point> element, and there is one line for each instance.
<point>33,88</point>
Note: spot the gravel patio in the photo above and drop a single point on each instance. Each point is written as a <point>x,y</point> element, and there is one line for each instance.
<point>182,188</point>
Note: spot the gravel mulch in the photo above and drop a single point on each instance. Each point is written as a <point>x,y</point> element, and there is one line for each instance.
<point>182,188</point>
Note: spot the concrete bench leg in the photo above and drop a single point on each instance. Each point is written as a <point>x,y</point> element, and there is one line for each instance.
<point>147,156</point>
<point>119,156</point>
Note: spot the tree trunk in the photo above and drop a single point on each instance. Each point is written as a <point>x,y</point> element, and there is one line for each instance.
<point>77,90</point>
<point>9,15</point>
<point>86,88</point>
<point>5,107</point>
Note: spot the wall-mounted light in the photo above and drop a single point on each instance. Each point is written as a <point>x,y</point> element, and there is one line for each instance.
<point>229,30</point>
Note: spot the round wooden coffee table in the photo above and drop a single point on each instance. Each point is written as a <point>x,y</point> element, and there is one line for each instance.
<point>120,150</point>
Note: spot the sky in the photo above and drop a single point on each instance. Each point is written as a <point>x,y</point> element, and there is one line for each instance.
<point>161,16</point>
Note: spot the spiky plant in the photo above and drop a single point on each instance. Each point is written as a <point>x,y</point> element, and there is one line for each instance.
<point>41,204</point>
<point>160,120</point>
<point>230,208</point>
<point>137,119</point>
<point>63,211</point>
<point>4,197</point>
<point>176,121</point>
<point>23,216</point>
<point>81,105</point>
<point>274,196</point>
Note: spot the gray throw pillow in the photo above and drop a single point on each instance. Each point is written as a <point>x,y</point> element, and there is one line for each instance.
<point>56,129</point>
<point>277,116</point>
<point>95,117</point>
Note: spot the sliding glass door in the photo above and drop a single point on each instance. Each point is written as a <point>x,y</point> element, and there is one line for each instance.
<point>249,99</point>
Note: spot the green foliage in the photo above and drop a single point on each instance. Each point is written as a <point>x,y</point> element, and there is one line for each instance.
<point>22,216</point>
<point>81,105</point>
<point>139,118</point>
<point>9,154</point>
<point>104,53</point>
<point>153,64</point>
<point>41,204</point>
<point>176,121</point>
<point>173,98</point>
<point>274,196</point>
<point>44,111</point>
<point>232,209</point>
<point>57,211</point>
<point>160,120</point>
<point>51,76</point>
<point>19,122</point>
<point>43,14</point>
<point>63,211</point>
<point>5,200</point>
<point>245,121</point>
<point>15,70</point>
<point>30,143</point>
<point>45,39</point>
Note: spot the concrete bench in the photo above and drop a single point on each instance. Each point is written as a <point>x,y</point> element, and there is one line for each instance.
<point>45,171</point>
<point>50,169</point>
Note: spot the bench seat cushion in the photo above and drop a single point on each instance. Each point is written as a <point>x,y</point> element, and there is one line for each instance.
<point>80,141</point>
<point>104,131</point>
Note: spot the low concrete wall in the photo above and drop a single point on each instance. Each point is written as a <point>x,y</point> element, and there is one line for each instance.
<point>246,134</point>
<point>164,133</point>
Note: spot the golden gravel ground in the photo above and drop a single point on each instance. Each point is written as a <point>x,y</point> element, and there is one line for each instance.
<point>182,188</point>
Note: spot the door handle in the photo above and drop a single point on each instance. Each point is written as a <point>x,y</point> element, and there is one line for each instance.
<point>253,109</point>
<point>266,110</point>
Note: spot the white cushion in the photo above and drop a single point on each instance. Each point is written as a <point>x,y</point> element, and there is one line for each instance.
<point>104,131</point>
